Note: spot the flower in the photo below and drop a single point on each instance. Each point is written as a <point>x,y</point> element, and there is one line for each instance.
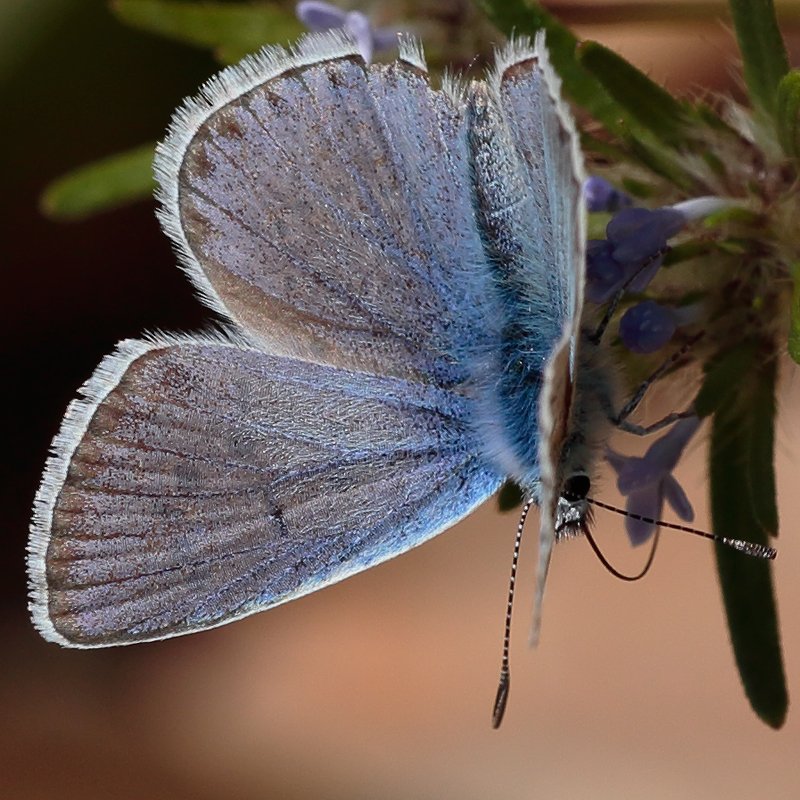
<point>639,234</point>
<point>600,195</point>
<point>604,275</point>
<point>648,326</point>
<point>631,255</point>
<point>320,16</point>
<point>647,481</point>
<point>636,239</point>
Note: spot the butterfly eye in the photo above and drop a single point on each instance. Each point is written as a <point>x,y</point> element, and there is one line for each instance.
<point>576,488</point>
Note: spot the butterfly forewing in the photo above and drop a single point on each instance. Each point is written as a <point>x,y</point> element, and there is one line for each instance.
<point>329,209</point>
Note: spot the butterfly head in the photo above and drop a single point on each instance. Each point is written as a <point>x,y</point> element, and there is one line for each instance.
<point>574,421</point>
<point>573,513</point>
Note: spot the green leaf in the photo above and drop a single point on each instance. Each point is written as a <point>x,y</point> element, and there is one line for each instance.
<point>788,113</point>
<point>762,48</point>
<point>794,327</point>
<point>661,162</point>
<point>115,181</point>
<point>724,377</point>
<point>231,30</point>
<point>746,582</point>
<point>637,189</point>
<point>610,152</point>
<point>732,214</point>
<point>694,248</point>
<point>761,449</point>
<point>742,485</point>
<point>654,107</point>
<point>714,163</point>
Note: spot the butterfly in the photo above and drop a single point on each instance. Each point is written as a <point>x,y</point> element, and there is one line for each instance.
<point>401,269</point>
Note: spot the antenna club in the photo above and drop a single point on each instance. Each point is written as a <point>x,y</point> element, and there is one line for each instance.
<point>748,548</point>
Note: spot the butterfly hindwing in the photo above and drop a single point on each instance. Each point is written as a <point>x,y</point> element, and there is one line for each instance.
<point>207,481</point>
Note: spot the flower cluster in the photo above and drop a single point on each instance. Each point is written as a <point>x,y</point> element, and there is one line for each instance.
<point>628,260</point>
<point>631,255</point>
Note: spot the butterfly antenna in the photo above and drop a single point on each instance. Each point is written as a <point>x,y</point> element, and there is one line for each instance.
<point>501,699</point>
<point>748,548</point>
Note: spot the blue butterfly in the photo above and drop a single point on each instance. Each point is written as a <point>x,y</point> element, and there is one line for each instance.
<point>402,270</point>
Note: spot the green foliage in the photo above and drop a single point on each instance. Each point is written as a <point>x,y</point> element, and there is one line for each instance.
<point>740,478</point>
<point>116,181</point>
<point>231,30</point>
<point>509,497</point>
<point>653,107</point>
<point>763,52</point>
<point>788,112</point>
<point>724,375</point>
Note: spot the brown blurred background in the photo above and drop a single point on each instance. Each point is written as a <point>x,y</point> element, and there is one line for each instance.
<point>382,686</point>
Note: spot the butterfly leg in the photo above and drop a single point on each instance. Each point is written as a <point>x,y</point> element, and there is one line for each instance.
<point>621,419</point>
<point>595,337</point>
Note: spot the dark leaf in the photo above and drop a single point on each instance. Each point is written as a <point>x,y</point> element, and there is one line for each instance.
<point>509,497</point>
<point>746,582</point>
<point>762,48</point>
<point>647,102</point>
<point>115,181</point>
<point>231,30</point>
<point>787,113</point>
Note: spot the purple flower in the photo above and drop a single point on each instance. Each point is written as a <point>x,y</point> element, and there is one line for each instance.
<point>604,275</point>
<point>639,234</point>
<point>319,16</point>
<point>635,240</point>
<point>634,237</point>
<point>647,481</point>
<point>600,195</point>
<point>648,326</point>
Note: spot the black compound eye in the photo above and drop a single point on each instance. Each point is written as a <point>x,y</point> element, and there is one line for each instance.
<point>576,488</point>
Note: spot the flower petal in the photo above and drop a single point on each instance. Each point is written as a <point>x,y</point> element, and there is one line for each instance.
<point>638,234</point>
<point>645,503</point>
<point>644,276</point>
<point>361,30</point>
<point>637,474</point>
<point>385,38</point>
<point>676,497</point>
<point>617,460</point>
<point>604,275</point>
<point>665,453</point>
<point>646,327</point>
<point>600,195</point>
<point>319,16</point>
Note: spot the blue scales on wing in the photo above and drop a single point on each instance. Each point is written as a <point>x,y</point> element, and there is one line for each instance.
<point>329,212</point>
<point>213,481</point>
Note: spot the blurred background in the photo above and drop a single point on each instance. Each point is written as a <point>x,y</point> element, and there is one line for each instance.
<point>382,686</point>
